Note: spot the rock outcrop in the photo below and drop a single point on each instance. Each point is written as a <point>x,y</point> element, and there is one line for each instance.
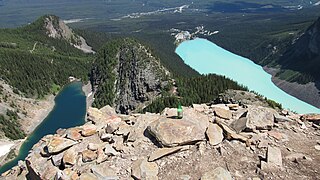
<point>56,28</point>
<point>133,78</point>
<point>201,145</point>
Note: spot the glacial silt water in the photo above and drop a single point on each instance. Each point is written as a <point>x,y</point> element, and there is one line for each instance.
<point>206,57</point>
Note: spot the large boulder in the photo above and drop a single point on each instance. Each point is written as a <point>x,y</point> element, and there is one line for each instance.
<point>260,118</point>
<point>59,144</point>
<point>102,116</point>
<point>175,132</point>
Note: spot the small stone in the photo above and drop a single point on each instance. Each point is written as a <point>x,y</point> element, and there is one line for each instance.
<point>275,134</point>
<point>142,169</point>
<point>106,137</point>
<point>101,156</point>
<point>93,147</point>
<point>110,151</point>
<point>103,171</point>
<point>279,118</point>
<point>317,147</point>
<point>233,107</point>
<point>159,153</point>
<point>88,176</point>
<point>88,156</point>
<point>215,134</point>
<point>112,127</point>
<point>217,174</point>
<point>74,134</point>
<point>124,129</point>
<point>88,130</point>
<point>184,177</point>
<point>295,157</point>
<point>69,157</point>
<point>57,159</point>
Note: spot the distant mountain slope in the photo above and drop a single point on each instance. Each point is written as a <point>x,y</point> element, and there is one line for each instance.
<point>302,56</point>
<point>40,56</point>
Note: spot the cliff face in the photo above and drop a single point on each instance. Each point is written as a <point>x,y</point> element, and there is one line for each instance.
<point>56,28</point>
<point>133,77</point>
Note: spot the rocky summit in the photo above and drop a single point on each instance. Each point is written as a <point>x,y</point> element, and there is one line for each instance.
<point>210,142</point>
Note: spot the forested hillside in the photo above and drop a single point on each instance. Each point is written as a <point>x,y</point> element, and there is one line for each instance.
<point>201,89</point>
<point>36,64</point>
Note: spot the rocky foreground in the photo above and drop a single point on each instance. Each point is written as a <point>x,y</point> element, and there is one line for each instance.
<point>223,141</point>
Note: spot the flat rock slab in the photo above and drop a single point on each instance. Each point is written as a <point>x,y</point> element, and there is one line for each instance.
<point>222,112</point>
<point>274,159</point>
<point>260,118</point>
<point>175,132</point>
<point>59,144</point>
<point>217,174</point>
<point>215,134</point>
<point>159,153</point>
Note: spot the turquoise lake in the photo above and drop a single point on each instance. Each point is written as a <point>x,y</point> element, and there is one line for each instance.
<point>69,111</point>
<point>206,57</point>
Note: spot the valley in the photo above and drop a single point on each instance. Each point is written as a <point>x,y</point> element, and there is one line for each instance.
<point>106,71</point>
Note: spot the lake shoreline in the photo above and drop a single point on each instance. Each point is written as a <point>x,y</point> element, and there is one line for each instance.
<point>305,92</point>
<point>70,98</point>
<point>206,57</point>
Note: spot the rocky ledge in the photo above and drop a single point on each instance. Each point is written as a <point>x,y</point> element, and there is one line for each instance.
<point>223,141</point>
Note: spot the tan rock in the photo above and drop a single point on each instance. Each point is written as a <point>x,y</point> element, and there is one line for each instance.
<point>58,144</point>
<point>106,137</point>
<point>174,132</point>
<point>88,176</point>
<point>101,156</point>
<point>124,129</point>
<point>112,127</point>
<point>200,107</point>
<point>222,113</point>
<point>88,155</point>
<point>93,147</point>
<point>69,157</point>
<point>215,134</point>
<point>72,175</point>
<point>260,118</point>
<point>57,159</point>
<point>110,151</point>
<point>274,159</point>
<point>88,130</point>
<point>104,171</point>
<point>275,134</point>
<point>74,134</point>
<point>217,174</point>
<point>159,153</point>
<point>170,112</point>
<point>311,117</point>
<point>142,169</point>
